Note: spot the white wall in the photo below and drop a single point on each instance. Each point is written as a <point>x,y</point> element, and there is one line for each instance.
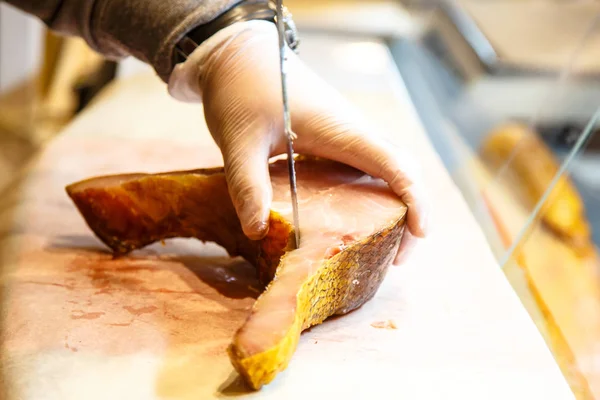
<point>21,39</point>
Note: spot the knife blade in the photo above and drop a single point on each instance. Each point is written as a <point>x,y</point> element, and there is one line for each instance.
<point>287,122</point>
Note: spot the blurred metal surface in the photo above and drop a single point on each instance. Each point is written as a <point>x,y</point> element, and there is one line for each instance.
<point>458,88</point>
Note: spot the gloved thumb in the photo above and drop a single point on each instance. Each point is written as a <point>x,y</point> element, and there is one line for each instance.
<point>247,173</point>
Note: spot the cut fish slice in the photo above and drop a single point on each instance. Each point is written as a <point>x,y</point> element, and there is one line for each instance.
<point>351,227</point>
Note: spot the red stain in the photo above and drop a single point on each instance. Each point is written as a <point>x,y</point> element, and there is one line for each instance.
<point>348,239</point>
<point>136,269</point>
<point>130,281</point>
<point>123,324</point>
<point>168,291</point>
<point>108,290</point>
<point>139,311</point>
<point>86,315</point>
<point>172,316</point>
<point>68,287</point>
<point>99,278</point>
<point>332,251</point>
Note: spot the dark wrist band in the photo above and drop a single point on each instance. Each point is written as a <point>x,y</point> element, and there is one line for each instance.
<point>244,11</point>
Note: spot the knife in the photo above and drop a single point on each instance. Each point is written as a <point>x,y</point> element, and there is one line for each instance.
<point>287,123</point>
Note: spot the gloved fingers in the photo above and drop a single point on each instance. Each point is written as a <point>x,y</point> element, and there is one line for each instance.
<point>243,111</point>
<point>247,173</point>
<point>343,142</point>
<point>245,129</point>
<point>417,217</point>
<point>407,245</point>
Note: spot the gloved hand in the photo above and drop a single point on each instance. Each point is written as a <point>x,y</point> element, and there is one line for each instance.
<point>236,74</point>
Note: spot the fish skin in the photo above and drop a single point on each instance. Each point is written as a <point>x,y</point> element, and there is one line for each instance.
<point>328,292</point>
<point>129,212</point>
<point>336,274</point>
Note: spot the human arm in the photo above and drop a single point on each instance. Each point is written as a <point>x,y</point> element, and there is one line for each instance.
<point>235,73</point>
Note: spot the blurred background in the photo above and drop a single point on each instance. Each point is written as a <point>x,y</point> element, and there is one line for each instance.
<point>508,92</point>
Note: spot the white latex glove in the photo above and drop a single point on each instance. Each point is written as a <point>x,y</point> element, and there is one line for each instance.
<point>236,74</point>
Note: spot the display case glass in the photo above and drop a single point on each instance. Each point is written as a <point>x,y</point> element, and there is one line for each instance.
<point>509,93</point>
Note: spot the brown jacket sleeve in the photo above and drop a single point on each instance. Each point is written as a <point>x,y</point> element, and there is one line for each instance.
<point>146,29</point>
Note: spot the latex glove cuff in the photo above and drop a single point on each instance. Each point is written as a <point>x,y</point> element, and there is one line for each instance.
<point>185,80</point>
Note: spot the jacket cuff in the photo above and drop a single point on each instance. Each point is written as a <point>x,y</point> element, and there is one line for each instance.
<point>150,30</point>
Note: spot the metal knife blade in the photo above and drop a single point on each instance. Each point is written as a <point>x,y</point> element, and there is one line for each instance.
<point>287,119</point>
